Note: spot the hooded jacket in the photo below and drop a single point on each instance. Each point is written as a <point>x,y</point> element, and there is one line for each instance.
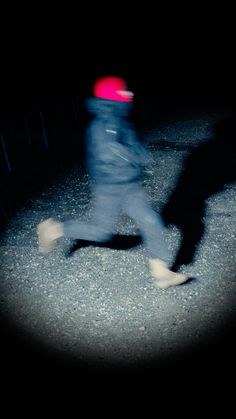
<point>114,152</point>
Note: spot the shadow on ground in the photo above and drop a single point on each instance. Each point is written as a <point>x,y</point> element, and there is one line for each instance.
<point>118,242</point>
<point>206,171</point>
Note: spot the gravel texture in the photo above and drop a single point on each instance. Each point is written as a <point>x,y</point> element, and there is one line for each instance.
<point>100,305</point>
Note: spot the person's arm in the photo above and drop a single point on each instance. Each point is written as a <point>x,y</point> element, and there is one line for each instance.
<point>141,151</point>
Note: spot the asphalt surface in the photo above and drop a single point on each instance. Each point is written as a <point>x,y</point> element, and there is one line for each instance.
<point>96,306</point>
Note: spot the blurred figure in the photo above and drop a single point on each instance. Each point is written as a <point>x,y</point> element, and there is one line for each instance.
<point>115,161</point>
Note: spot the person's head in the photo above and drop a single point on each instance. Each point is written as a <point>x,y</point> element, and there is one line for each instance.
<point>112,88</point>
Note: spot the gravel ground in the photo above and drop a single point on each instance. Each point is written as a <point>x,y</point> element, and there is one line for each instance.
<point>100,306</point>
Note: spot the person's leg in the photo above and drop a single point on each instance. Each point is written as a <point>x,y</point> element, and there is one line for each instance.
<point>105,209</point>
<point>106,205</point>
<point>137,206</point>
<point>153,231</point>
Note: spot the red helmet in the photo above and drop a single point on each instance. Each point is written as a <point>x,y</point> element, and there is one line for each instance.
<point>112,88</point>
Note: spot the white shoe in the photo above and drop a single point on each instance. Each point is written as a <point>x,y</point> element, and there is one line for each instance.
<point>164,277</point>
<point>48,231</point>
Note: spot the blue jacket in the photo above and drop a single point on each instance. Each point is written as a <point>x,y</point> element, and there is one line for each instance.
<point>114,152</point>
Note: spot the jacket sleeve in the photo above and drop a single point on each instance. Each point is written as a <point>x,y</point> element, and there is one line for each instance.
<point>143,154</point>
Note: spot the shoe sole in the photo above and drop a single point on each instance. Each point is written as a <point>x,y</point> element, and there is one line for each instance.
<point>166,283</point>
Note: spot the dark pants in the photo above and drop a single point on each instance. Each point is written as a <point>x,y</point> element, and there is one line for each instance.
<point>108,202</point>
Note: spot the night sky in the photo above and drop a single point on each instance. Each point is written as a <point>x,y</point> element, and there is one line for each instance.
<point>185,52</point>
<point>174,62</point>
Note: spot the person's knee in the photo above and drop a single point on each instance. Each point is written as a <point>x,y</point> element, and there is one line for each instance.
<point>151,220</point>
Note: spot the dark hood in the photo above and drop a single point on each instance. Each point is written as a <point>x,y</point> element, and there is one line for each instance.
<point>104,108</point>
